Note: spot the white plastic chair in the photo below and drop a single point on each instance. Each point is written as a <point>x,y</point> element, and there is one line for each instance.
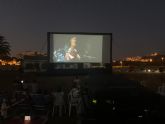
<point>74,101</point>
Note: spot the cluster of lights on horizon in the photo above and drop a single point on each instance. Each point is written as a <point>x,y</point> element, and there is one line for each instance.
<point>10,62</point>
<point>140,59</point>
<point>131,59</point>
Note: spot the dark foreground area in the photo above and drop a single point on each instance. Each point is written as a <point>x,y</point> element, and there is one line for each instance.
<point>110,98</point>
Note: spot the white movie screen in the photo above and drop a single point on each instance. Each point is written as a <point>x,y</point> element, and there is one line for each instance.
<point>79,48</point>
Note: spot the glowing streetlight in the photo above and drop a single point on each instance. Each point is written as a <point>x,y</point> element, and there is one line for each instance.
<point>27,120</point>
<point>162,59</point>
<point>149,70</point>
<point>121,63</point>
<point>151,60</point>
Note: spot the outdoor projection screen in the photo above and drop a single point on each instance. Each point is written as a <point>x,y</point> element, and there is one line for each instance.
<point>79,47</point>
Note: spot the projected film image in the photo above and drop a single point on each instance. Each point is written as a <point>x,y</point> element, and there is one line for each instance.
<point>77,48</point>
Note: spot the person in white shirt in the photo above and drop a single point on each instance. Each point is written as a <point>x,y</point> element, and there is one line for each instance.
<point>75,99</point>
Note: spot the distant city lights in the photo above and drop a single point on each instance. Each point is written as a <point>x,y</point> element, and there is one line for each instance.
<point>121,63</point>
<point>149,70</point>
<point>27,118</point>
<point>94,101</point>
<point>151,60</point>
<point>155,54</point>
<point>22,81</point>
<point>10,62</point>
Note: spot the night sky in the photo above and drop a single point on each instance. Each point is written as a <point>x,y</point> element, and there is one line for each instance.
<point>138,26</point>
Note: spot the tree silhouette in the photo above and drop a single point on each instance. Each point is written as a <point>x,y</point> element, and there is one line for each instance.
<point>4,47</point>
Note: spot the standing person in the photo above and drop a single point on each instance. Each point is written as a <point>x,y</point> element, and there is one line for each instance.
<point>58,101</point>
<point>85,95</point>
<point>161,89</point>
<point>34,86</point>
<point>4,109</point>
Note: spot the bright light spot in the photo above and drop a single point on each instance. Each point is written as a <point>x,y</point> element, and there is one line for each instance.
<point>145,110</point>
<point>22,81</point>
<point>27,118</point>
<point>151,60</point>
<point>140,116</point>
<point>114,61</point>
<point>94,101</point>
<point>10,62</point>
<point>149,70</point>
<point>108,101</point>
<point>113,108</point>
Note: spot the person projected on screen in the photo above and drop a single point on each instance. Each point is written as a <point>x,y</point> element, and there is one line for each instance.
<point>72,53</point>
